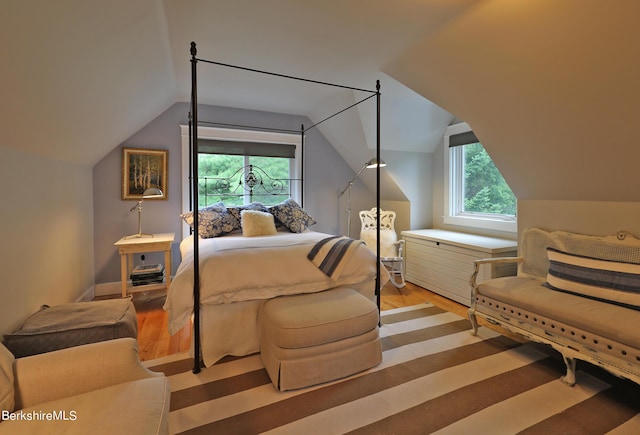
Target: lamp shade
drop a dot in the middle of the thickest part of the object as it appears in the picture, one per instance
(152, 192)
(373, 163)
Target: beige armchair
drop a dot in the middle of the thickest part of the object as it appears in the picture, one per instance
(95, 388)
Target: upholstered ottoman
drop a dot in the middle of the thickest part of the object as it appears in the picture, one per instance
(67, 325)
(313, 338)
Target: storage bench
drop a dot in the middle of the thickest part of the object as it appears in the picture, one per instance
(73, 324)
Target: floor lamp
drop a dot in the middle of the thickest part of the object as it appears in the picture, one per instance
(371, 164)
(152, 192)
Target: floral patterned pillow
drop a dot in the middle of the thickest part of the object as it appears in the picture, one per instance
(213, 221)
(292, 216)
(237, 211)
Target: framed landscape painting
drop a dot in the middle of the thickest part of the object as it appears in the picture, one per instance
(143, 169)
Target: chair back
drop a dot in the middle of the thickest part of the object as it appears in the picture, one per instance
(388, 236)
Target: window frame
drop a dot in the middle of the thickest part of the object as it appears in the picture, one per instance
(228, 134)
(454, 191)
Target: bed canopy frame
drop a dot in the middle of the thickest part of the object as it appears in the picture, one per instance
(194, 122)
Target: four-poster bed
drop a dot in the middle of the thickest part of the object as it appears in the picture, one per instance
(225, 309)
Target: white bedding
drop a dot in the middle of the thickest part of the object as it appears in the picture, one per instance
(234, 268)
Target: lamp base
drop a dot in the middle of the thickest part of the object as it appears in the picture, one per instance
(138, 236)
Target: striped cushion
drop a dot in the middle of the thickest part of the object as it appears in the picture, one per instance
(604, 280)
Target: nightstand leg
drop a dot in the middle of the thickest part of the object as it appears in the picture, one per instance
(123, 273)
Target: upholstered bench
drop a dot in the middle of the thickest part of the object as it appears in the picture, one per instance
(578, 293)
(314, 338)
(73, 324)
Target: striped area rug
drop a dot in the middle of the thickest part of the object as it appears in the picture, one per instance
(435, 378)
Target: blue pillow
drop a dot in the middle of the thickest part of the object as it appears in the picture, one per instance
(213, 221)
(236, 212)
(292, 216)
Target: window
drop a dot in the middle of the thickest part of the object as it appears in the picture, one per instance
(477, 194)
(223, 151)
(238, 173)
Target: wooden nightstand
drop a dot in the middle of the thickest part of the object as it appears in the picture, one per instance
(127, 246)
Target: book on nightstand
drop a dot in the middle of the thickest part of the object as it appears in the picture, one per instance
(147, 274)
(148, 268)
(148, 281)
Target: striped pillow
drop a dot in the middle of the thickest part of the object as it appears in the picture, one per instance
(603, 280)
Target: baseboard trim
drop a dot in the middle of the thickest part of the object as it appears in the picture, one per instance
(88, 295)
(108, 289)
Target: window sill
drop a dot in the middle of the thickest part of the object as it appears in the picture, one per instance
(483, 223)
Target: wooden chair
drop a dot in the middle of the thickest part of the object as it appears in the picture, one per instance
(391, 249)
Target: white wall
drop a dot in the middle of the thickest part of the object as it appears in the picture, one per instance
(413, 174)
(587, 217)
(47, 234)
(403, 214)
(551, 98)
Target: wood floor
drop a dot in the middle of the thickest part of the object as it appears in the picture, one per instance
(154, 340)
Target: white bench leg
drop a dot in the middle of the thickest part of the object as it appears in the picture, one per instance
(474, 322)
(570, 378)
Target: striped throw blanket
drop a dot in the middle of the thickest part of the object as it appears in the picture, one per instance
(331, 254)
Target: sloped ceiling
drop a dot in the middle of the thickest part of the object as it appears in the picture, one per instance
(550, 87)
(80, 77)
(330, 41)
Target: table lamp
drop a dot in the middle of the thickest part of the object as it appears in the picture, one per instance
(152, 192)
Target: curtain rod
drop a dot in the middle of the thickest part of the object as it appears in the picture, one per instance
(251, 127)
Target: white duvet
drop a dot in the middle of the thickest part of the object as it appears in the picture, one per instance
(236, 268)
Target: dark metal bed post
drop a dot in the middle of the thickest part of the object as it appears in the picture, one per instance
(378, 193)
(301, 166)
(190, 162)
(194, 180)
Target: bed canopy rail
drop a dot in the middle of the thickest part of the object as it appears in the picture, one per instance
(194, 122)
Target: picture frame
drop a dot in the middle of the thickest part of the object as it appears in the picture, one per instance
(143, 169)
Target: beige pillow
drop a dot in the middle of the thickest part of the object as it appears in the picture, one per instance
(257, 223)
(6, 380)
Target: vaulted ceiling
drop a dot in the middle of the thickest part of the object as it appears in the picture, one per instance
(80, 77)
(549, 86)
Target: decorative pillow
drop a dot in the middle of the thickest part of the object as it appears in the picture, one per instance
(257, 223)
(213, 221)
(292, 216)
(237, 210)
(604, 280)
(6, 380)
